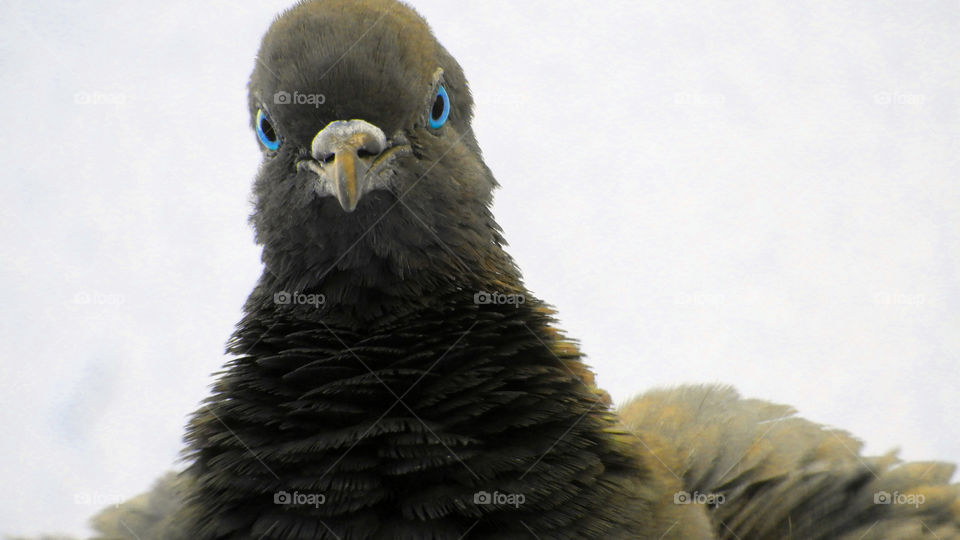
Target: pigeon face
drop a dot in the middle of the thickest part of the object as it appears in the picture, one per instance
(370, 167)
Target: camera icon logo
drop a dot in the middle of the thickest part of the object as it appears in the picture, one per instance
(281, 298)
(481, 497)
(282, 98)
(882, 497)
(681, 497)
(482, 298)
(282, 497)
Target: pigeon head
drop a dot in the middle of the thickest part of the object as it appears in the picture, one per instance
(370, 173)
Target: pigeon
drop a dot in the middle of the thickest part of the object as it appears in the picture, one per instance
(393, 378)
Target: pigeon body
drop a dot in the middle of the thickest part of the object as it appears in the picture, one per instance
(398, 396)
(393, 378)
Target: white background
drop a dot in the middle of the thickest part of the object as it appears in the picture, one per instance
(755, 193)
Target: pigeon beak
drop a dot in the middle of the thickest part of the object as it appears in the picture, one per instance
(347, 150)
(345, 179)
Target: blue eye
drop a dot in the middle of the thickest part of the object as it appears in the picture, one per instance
(266, 132)
(441, 109)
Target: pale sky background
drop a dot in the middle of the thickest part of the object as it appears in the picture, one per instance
(765, 194)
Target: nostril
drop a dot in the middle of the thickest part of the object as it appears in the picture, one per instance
(363, 152)
(327, 158)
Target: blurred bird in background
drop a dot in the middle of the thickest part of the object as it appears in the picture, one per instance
(393, 378)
